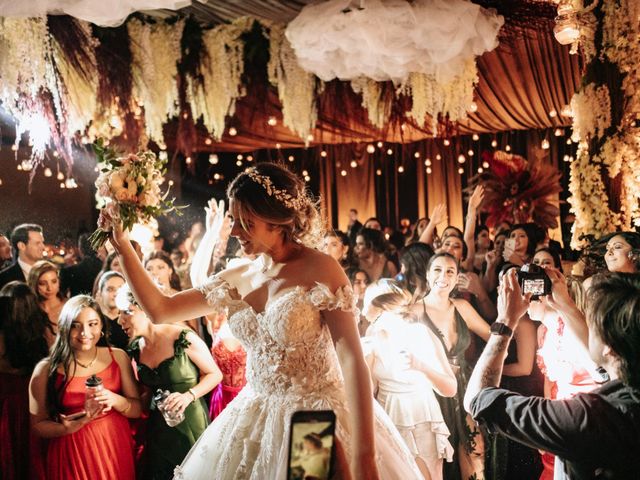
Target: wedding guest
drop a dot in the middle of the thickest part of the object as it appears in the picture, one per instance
(414, 259)
(408, 364)
(28, 241)
(78, 279)
(23, 328)
(168, 357)
(354, 226)
(336, 245)
(370, 257)
(108, 285)
(45, 282)
(75, 428)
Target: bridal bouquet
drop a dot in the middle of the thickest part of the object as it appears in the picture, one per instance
(128, 191)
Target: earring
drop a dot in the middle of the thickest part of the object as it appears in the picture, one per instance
(102, 333)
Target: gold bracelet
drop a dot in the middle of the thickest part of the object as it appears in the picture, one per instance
(128, 407)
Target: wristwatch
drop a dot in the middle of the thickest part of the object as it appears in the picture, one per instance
(499, 328)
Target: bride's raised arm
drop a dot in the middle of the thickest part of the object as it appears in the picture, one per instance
(159, 307)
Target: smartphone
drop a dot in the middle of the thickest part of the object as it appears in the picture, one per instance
(77, 415)
(510, 243)
(312, 445)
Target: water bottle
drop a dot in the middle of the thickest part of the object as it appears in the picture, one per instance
(92, 385)
(172, 418)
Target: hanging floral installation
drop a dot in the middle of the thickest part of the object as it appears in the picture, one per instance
(374, 100)
(222, 76)
(606, 112)
(25, 63)
(432, 97)
(74, 57)
(156, 51)
(518, 191)
(297, 89)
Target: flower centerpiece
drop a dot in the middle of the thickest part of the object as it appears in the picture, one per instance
(128, 190)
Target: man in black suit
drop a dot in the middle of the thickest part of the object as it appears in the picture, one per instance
(28, 241)
(79, 278)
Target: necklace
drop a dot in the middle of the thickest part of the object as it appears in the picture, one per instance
(88, 365)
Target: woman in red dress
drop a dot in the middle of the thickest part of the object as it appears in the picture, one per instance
(84, 444)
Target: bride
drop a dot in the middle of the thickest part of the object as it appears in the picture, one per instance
(293, 310)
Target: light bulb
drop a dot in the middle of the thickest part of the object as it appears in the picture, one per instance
(353, 164)
(494, 143)
(428, 170)
(272, 121)
(343, 173)
(461, 158)
(545, 144)
(446, 142)
(233, 132)
(461, 170)
(378, 172)
(371, 148)
(558, 132)
(475, 137)
(400, 169)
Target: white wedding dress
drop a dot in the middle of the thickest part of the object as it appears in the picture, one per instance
(291, 366)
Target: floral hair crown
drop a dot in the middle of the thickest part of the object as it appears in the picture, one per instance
(282, 196)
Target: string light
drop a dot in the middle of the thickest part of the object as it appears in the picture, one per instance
(309, 138)
(494, 143)
(353, 164)
(291, 158)
(249, 158)
(485, 164)
(62, 185)
(566, 111)
(569, 141)
(371, 148)
(553, 113)
(438, 157)
(378, 172)
(60, 176)
(208, 141)
(470, 153)
(216, 176)
(446, 142)
(187, 160)
(558, 132)
(48, 172)
(233, 132)
(343, 173)
(305, 173)
(473, 107)
(380, 144)
(239, 163)
(171, 183)
(272, 121)
(400, 169)
(239, 156)
(507, 148)
(545, 144)
(475, 137)
(417, 154)
(461, 170)
(389, 152)
(278, 146)
(428, 170)
(480, 169)
(163, 155)
(213, 159)
(14, 147)
(461, 158)
(427, 162)
(566, 158)
(323, 154)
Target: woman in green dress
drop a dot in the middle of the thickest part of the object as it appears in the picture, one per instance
(173, 358)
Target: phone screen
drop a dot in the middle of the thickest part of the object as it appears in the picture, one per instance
(311, 445)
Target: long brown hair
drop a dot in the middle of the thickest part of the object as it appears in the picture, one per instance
(62, 353)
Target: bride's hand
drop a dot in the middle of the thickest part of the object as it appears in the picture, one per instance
(118, 237)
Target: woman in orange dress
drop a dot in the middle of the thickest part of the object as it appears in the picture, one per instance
(84, 443)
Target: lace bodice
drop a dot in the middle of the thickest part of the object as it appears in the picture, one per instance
(289, 348)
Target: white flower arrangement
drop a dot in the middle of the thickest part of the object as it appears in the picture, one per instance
(296, 87)
(591, 108)
(156, 49)
(222, 76)
(378, 108)
(432, 97)
(619, 154)
(128, 191)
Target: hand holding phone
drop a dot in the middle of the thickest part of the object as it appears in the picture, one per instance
(74, 422)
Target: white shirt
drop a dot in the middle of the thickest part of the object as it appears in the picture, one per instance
(26, 268)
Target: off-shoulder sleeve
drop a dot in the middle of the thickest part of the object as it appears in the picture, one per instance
(221, 295)
(343, 299)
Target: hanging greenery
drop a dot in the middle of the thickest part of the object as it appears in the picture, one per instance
(374, 101)
(297, 89)
(216, 97)
(155, 50)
